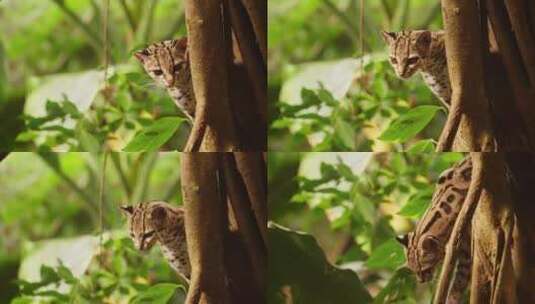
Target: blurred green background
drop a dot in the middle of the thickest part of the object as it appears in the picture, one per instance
(50, 228)
(53, 95)
(353, 95)
(346, 209)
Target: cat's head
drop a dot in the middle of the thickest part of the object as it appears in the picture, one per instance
(166, 62)
(145, 219)
(407, 50)
(423, 254)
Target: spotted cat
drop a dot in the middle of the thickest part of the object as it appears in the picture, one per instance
(167, 62)
(159, 222)
(425, 247)
(424, 51)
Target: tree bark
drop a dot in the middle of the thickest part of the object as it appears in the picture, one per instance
(468, 124)
(204, 228)
(246, 220)
(213, 129)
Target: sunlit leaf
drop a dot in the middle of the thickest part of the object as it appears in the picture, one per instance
(160, 293)
(388, 255)
(417, 204)
(409, 124)
(155, 135)
(423, 146)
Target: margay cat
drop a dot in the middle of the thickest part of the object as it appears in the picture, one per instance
(422, 50)
(425, 246)
(159, 222)
(167, 62)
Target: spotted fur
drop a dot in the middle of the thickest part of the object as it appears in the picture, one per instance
(159, 222)
(425, 247)
(167, 63)
(424, 51)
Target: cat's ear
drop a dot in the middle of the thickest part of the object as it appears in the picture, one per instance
(141, 55)
(423, 42)
(128, 210)
(182, 45)
(403, 240)
(429, 243)
(158, 213)
(388, 37)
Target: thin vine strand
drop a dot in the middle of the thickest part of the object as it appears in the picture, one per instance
(102, 184)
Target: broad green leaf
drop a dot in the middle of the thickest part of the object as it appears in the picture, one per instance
(158, 294)
(423, 146)
(409, 124)
(345, 133)
(297, 261)
(155, 135)
(389, 255)
(401, 287)
(417, 204)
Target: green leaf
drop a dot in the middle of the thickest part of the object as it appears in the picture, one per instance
(409, 124)
(389, 255)
(156, 294)
(155, 135)
(423, 146)
(417, 204)
(345, 133)
(296, 260)
(400, 287)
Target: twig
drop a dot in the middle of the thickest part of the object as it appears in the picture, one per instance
(387, 11)
(101, 203)
(77, 21)
(128, 15)
(435, 11)
(122, 176)
(447, 137)
(461, 224)
(150, 21)
(350, 26)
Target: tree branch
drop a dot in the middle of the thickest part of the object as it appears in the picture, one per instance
(245, 217)
(257, 10)
(204, 227)
(479, 162)
(252, 57)
(93, 37)
(469, 115)
(207, 49)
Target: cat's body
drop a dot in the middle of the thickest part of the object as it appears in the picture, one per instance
(159, 222)
(423, 51)
(167, 62)
(425, 247)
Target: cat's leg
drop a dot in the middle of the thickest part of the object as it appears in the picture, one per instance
(461, 277)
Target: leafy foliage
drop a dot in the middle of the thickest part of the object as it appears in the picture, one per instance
(296, 260)
(119, 273)
(368, 97)
(363, 201)
(55, 74)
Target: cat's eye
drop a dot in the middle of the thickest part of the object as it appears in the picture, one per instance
(393, 60)
(178, 66)
(149, 234)
(412, 60)
(157, 72)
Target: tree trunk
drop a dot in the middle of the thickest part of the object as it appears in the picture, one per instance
(229, 262)
(468, 125)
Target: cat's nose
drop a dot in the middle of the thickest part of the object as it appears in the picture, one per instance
(169, 80)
